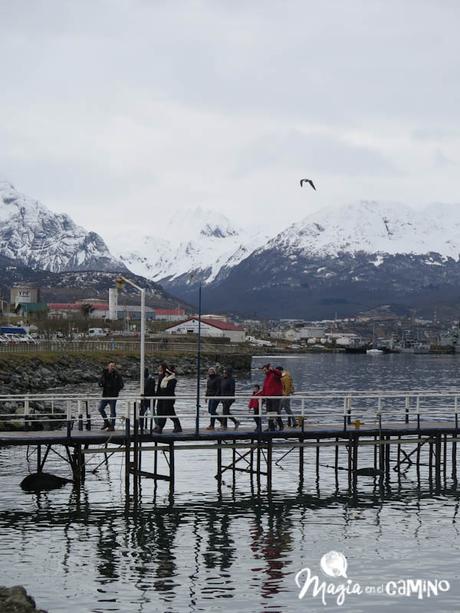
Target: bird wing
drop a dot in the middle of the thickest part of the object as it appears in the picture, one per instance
(312, 184)
(301, 182)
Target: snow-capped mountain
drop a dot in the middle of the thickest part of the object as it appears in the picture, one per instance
(374, 228)
(344, 261)
(41, 239)
(197, 245)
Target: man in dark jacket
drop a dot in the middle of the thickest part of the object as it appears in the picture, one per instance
(212, 390)
(227, 388)
(111, 383)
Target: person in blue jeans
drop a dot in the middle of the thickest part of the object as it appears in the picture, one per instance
(212, 390)
(112, 383)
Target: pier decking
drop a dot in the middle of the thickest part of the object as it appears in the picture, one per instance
(422, 426)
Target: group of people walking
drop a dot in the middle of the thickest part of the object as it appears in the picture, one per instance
(277, 382)
(220, 389)
(158, 396)
(159, 393)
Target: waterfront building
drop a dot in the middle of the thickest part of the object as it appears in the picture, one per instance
(210, 327)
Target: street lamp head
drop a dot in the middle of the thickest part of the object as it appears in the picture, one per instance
(119, 283)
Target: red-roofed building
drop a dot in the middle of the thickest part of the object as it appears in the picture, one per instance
(170, 314)
(210, 327)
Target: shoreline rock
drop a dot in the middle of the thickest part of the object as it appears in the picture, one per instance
(26, 373)
(16, 600)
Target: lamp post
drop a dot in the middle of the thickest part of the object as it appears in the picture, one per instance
(198, 367)
(120, 282)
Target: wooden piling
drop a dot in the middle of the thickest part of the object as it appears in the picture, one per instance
(269, 464)
(454, 458)
(39, 458)
(172, 475)
(301, 460)
(317, 459)
(127, 455)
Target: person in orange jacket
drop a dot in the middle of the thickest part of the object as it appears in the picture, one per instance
(288, 390)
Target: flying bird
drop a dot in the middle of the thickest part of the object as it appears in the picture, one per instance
(302, 181)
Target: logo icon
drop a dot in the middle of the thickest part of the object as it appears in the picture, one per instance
(334, 564)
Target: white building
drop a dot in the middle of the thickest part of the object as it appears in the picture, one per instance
(310, 332)
(343, 339)
(212, 328)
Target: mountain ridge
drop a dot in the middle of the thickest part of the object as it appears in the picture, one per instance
(44, 240)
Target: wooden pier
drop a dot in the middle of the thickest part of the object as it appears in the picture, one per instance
(360, 440)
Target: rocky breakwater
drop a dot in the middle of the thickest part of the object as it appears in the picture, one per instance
(16, 600)
(20, 374)
(29, 374)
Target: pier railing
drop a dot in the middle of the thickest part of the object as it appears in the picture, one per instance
(347, 409)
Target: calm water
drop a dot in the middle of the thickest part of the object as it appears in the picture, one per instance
(85, 550)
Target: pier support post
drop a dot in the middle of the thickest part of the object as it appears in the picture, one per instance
(172, 474)
(381, 456)
(444, 458)
(317, 459)
(375, 453)
(438, 460)
(454, 457)
(258, 463)
(269, 464)
(430, 461)
(355, 446)
(78, 465)
(350, 461)
(387, 457)
(135, 463)
(301, 459)
(219, 468)
(39, 458)
(127, 455)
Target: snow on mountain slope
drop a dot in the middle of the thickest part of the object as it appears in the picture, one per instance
(44, 240)
(198, 241)
(374, 228)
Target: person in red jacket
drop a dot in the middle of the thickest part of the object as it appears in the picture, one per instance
(273, 386)
(254, 405)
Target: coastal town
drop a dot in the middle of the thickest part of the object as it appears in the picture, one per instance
(27, 320)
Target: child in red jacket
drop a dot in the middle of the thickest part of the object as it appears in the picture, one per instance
(254, 405)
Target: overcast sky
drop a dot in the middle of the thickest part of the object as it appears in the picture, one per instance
(119, 111)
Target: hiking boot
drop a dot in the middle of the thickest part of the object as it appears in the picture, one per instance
(210, 428)
(176, 430)
(105, 425)
(237, 424)
(110, 429)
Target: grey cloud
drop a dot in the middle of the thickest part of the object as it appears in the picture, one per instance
(314, 153)
(128, 105)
